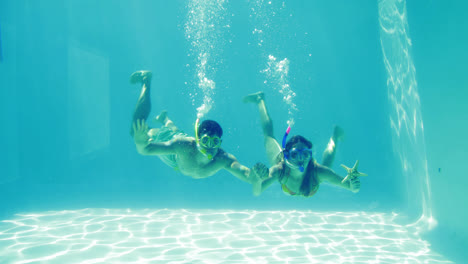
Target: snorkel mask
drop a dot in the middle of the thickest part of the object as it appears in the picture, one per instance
(295, 158)
(206, 143)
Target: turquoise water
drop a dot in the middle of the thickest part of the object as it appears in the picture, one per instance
(74, 189)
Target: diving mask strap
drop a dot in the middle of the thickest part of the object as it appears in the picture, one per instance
(202, 150)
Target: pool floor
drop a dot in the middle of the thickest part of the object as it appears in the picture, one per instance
(211, 236)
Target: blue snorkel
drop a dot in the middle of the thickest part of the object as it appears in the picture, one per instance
(286, 154)
(286, 136)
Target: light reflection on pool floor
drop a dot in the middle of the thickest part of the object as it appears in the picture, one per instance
(210, 236)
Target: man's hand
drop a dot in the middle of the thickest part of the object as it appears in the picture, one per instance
(140, 132)
(260, 172)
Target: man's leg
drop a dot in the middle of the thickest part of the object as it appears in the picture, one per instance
(143, 106)
(167, 132)
(329, 153)
(164, 119)
(271, 145)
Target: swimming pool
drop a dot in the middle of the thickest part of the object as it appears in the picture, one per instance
(74, 189)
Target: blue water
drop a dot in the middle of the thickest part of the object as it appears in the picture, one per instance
(68, 159)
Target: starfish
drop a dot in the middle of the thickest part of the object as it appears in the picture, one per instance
(352, 172)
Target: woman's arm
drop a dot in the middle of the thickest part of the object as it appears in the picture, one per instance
(326, 174)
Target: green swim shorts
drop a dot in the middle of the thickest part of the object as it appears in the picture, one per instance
(164, 134)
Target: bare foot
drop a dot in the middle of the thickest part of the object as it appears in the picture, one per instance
(338, 133)
(254, 98)
(162, 117)
(141, 77)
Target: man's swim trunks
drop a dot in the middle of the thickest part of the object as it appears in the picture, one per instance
(164, 134)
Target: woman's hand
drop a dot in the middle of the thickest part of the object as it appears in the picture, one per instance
(353, 177)
(354, 184)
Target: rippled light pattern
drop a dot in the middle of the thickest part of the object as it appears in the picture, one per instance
(405, 116)
(210, 236)
(204, 29)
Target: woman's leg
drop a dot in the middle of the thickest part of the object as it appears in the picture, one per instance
(329, 153)
(271, 145)
(164, 119)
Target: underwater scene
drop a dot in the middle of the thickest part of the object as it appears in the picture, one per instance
(217, 131)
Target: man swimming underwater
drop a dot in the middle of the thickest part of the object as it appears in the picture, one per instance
(197, 157)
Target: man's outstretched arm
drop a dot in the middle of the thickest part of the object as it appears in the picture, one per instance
(235, 168)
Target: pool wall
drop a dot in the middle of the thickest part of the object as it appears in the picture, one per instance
(438, 31)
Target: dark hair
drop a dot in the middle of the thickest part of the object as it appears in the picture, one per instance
(211, 128)
(305, 185)
(298, 139)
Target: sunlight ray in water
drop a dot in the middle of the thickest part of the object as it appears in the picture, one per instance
(405, 114)
(217, 236)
